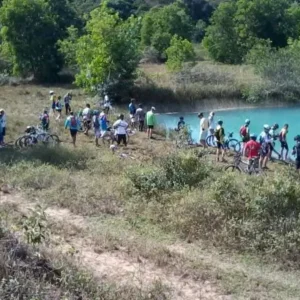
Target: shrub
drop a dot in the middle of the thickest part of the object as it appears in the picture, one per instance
(179, 52)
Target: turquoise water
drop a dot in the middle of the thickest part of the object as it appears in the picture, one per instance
(234, 119)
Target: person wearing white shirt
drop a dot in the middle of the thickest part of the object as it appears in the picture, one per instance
(211, 122)
(121, 126)
(87, 118)
(203, 129)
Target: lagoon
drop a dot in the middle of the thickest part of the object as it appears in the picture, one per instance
(234, 119)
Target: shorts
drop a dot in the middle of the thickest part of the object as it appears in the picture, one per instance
(73, 132)
(203, 135)
(122, 138)
(265, 150)
(150, 126)
(4, 131)
(131, 116)
(284, 145)
(53, 105)
(297, 163)
(97, 133)
(133, 120)
(59, 110)
(220, 145)
(87, 124)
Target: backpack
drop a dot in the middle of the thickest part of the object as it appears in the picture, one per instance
(96, 123)
(218, 133)
(243, 131)
(73, 121)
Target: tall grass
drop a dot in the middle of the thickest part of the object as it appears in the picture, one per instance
(252, 214)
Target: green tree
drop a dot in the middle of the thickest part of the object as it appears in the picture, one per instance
(237, 26)
(30, 31)
(161, 23)
(108, 54)
(180, 51)
(222, 40)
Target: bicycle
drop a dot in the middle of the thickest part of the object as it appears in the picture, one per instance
(250, 167)
(35, 135)
(229, 144)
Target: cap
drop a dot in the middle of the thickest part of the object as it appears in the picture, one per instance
(51, 92)
(153, 108)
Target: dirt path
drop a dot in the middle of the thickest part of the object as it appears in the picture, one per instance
(118, 266)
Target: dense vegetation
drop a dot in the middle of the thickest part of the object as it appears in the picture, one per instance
(104, 42)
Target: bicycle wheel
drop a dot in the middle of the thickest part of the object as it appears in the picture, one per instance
(28, 141)
(41, 137)
(233, 168)
(17, 142)
(211, 141)
(21, 141)
(234, 145)
(55, 138)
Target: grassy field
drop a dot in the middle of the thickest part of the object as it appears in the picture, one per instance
(156, 223)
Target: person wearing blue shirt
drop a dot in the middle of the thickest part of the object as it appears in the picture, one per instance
(132, 112)
(73, 123)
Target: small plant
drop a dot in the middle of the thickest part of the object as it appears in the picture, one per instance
(35, 226)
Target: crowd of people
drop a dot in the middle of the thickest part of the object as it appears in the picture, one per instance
(261, 146)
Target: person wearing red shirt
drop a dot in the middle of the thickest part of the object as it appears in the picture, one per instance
(252, 148)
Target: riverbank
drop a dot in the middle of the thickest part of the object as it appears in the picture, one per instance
(204, 87)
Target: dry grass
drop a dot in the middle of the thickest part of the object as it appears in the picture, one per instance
(89, 199)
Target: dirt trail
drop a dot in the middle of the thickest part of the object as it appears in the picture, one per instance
(118, 266)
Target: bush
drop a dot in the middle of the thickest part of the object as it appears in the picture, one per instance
(179, 52)
(271, 64)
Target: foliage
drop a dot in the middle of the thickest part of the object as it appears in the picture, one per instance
(280, 69)
(222, 40)
(237, 26)
(161, 23)
(107, 55)
(199, 9)
(35, 227)
(30, 32)
(179, 52)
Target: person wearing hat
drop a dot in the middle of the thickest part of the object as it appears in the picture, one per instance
(211, 122)
(220, 137)
(265, 141)
(151, 122)
(121, 126)
(203, 129)
(3, 123)
(180, 124)
(296, 152)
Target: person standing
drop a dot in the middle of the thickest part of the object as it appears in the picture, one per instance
(140, 114)
(203, 129)
(151, 122)
(45, 120)
(296, 152)
(211, 122)
(87, 118)
(180, 124)
(245, 132)
(58, 107)
(283, 140)
(220, 136)
(67, 101)
(1, 130)
(265, 141)
(132, 112)
(103, 124)
(53, 101)
(121, 126)
(73, 123)
(96, 125)
(252, 149)
(3, 123)
(107, 104)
